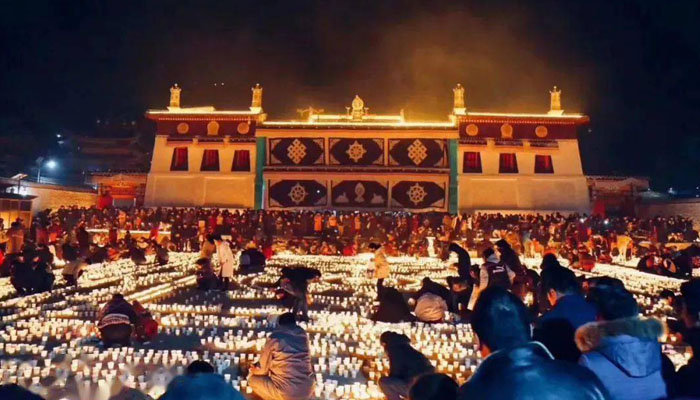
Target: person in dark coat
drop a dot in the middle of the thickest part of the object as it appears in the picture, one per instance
(98, 254)
(405, 365)
(434, 387)
(251, 260)
(162, 255)
(515, 367)
(44, 254)
(295, 281)
(622, 349)
(137, 255)
(13, 391)
(41, 277)
(549, 261)
(464, 262)
(83, 238)
(20, 274)
(206, 277)
(392, 307)
(688, 377)
(200, 387)
(555, 329)
(509, 257)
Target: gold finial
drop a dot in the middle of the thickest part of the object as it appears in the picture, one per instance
(256, 103)
(175, 96)
(458, 106)
(555, 101)
(358, 107)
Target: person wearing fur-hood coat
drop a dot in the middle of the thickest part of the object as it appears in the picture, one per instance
(621, 348)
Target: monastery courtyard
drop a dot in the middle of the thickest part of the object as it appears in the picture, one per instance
(49, 342)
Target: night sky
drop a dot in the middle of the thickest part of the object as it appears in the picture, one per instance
(633, 67)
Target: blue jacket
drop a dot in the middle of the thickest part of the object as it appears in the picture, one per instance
(626, 356)
(556, 328)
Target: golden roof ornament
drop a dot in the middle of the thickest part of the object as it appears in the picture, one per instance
(175, 96)
(555, 102)
(459, 108)
(256, 102)
(358, 107)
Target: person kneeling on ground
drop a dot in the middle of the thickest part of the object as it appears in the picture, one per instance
(206, 278)
(284, 371)
(115, 321)
(405, 365)
(430, 308)
(514, 366)
(392, 307)
(252, 260)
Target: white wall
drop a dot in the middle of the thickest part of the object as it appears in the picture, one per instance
(224, 188)
(564, 190)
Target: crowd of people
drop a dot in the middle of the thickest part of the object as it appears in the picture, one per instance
(549, 334)
(581, 239)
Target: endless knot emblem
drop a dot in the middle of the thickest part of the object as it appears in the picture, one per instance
(356, 151)
(416, 194)
(417, 152)
(296, 152)
(297, 194)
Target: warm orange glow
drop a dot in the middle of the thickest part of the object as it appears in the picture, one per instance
(361, 123)
(199, 110)
(525, 115)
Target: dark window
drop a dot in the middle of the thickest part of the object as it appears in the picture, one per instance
(543, 164)
(241, 160)
(179, 162)
(25, 206)
(210, 160)
(508, 164)
(472, 162)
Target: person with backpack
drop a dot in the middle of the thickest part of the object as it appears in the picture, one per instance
(492, 272)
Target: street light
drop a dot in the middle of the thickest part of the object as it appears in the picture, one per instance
(51, 164)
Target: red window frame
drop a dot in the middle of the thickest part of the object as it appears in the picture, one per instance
(210, 160)
(543, 164)
(507, 163)
(471, 164)
(241, 161)
(179, 161)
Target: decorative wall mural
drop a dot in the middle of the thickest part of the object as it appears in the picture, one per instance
(419, 195)
(363, 194)
(297, 193)
(297, 151)
(424, 153)
(356, 152)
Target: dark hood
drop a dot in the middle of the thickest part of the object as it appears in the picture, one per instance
(631, 344)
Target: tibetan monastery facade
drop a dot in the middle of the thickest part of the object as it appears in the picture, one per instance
(359, 161)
